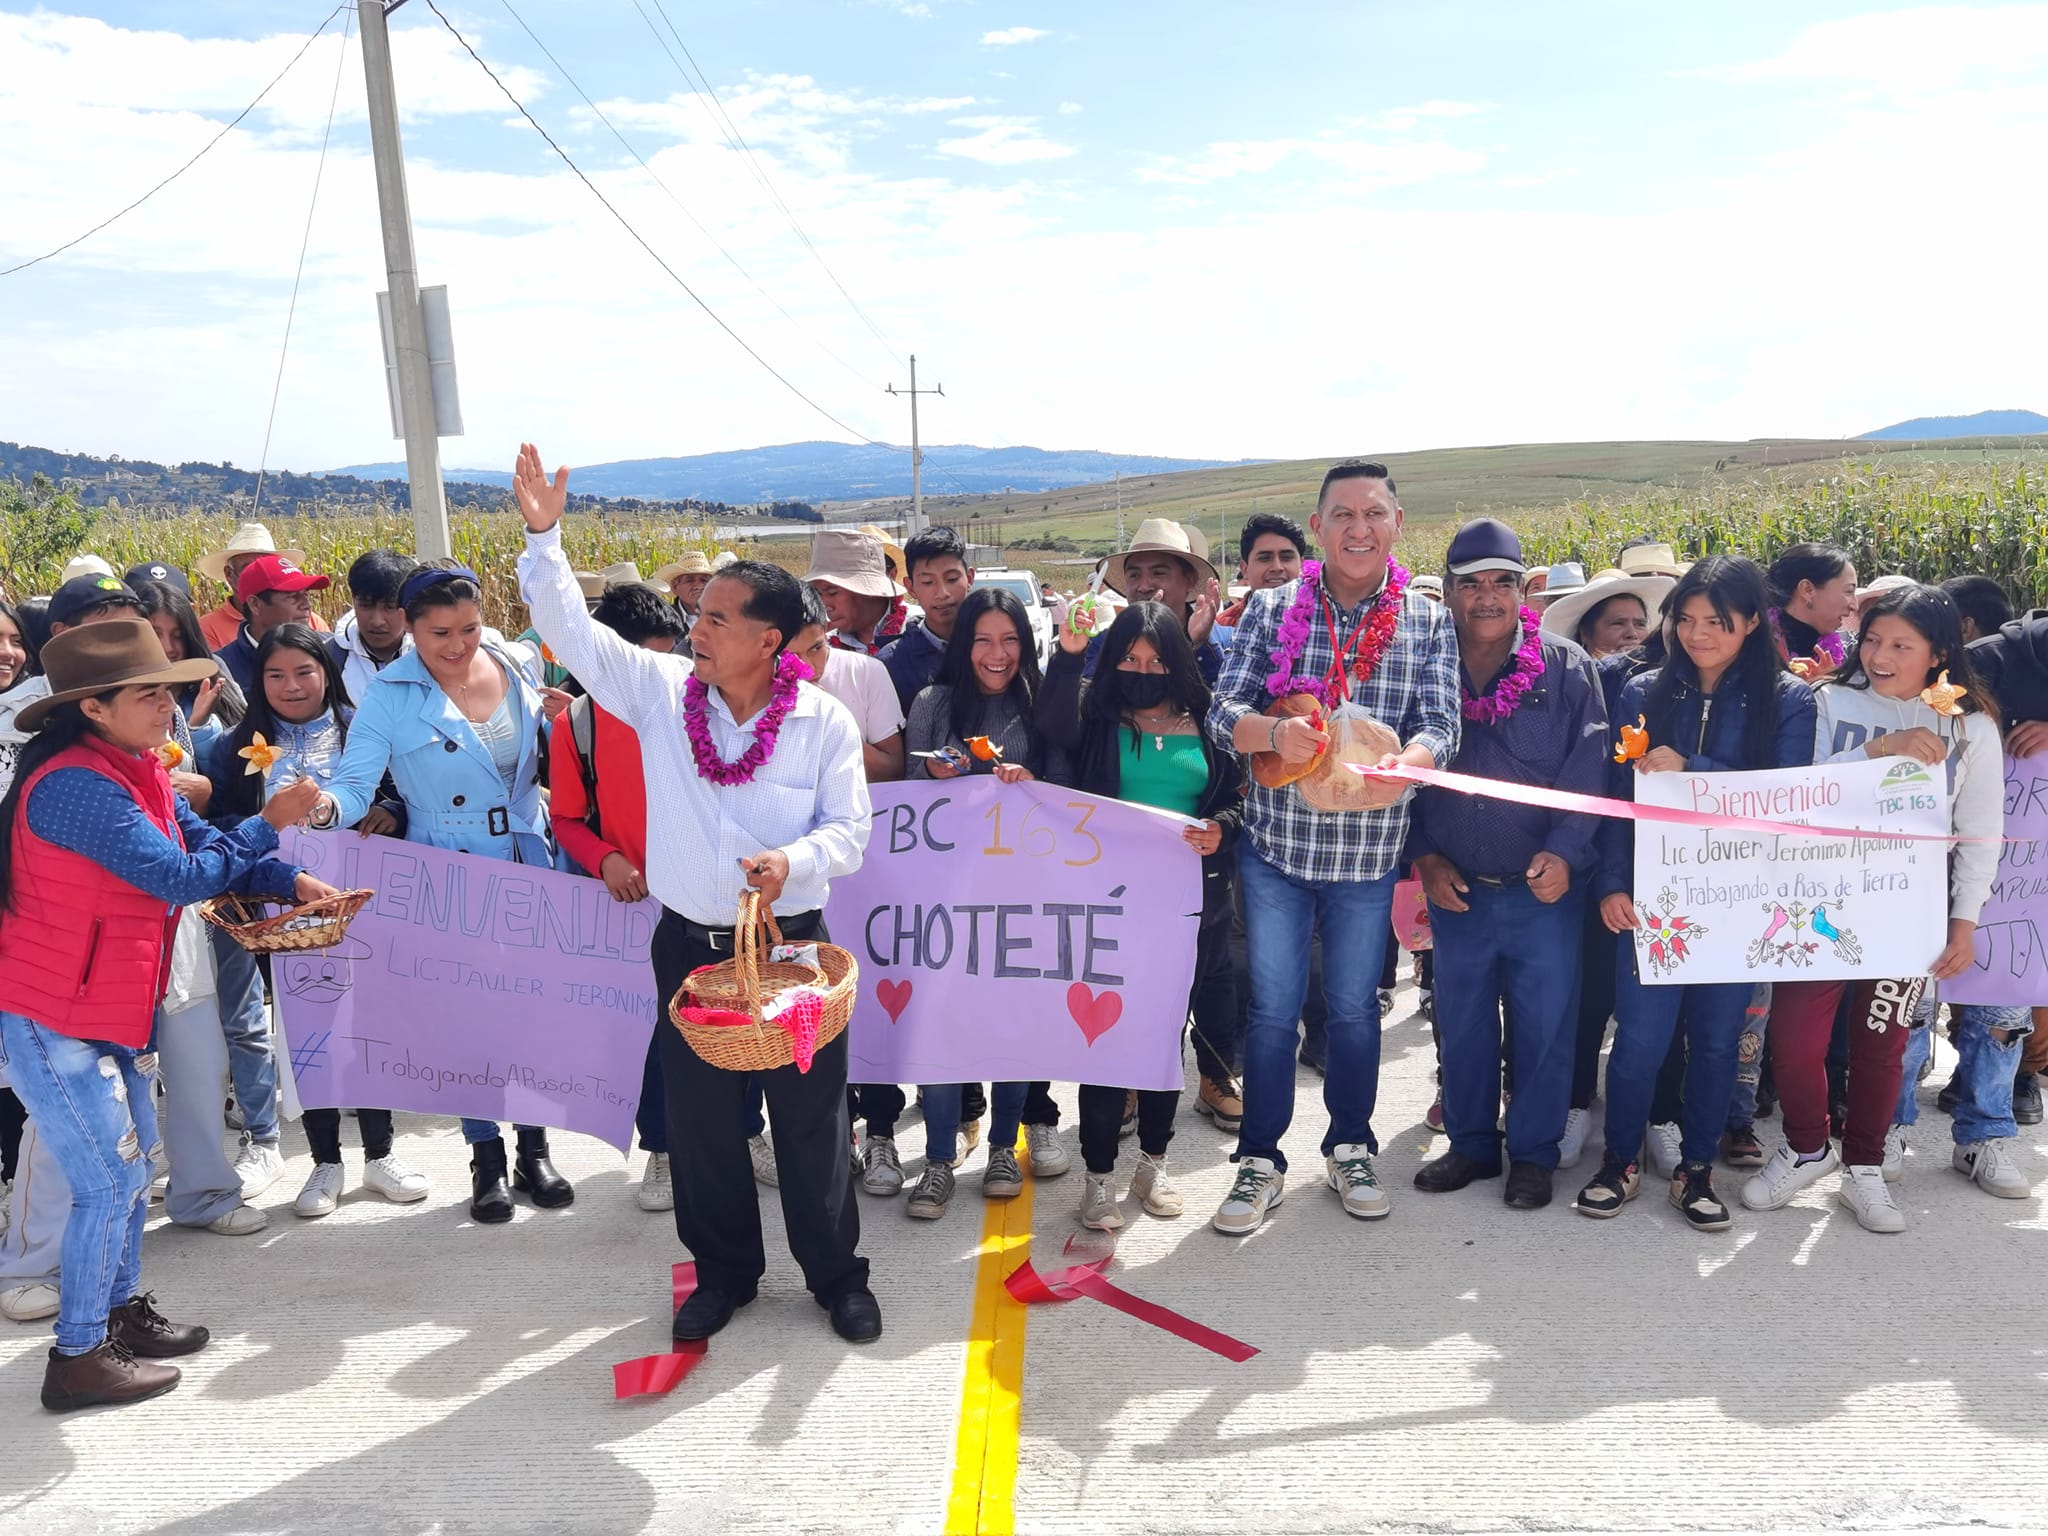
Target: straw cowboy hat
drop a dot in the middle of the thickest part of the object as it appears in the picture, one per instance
(848, 558)
(84, 565)
(724, 558)
(1653, 560)
(691, 563)
(118, 653)
(625, 574)
(249, 539)
(1563, 617)
(1158, 535)
(899, 566)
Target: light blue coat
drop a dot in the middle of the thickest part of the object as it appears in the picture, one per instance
(453, 795)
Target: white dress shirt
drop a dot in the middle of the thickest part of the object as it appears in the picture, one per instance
(809, 800)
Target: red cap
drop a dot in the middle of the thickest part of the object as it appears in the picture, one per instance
(274, 573)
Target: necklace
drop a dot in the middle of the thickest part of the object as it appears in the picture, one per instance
(1512, 686)
(1369, 645)
(1160, 728)
(789, 671)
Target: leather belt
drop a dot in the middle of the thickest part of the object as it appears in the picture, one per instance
(720, 939)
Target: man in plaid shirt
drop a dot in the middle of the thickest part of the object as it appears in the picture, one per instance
(1305, 871)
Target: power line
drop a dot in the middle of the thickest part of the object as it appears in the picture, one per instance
(640, 240)
(305, 241)
(181, 170)
(680, 205)
(738, 140)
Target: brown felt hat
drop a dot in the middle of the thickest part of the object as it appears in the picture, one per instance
(115, 653)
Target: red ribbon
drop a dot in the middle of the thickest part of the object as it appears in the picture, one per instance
(1030, 1287)
(655, 1374)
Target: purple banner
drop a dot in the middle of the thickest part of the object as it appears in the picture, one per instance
(1019, 932)
(470, 986)
(2012, 931)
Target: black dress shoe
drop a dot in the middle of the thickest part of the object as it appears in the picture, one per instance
(1454, 1170)
(139, 1328)
(1528, 1186)
(857, 1316)
(534, 1176)
(705, 1311)
(490, 1201)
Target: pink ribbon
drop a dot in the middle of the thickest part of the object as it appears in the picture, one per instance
(1027, 1285)
(652, 1375)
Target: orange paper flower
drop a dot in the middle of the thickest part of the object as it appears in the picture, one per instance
(1635, 741)
(1943, 696)
(984, 749)
(1812, 668)
(546, 655)
(260, 755)
(170, 754)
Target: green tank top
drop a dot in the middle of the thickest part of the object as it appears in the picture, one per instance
(1170, 777)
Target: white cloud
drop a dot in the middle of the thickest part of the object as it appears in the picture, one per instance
(1009, 37)
(1364, 164)
(1909, 52)
(1069, 108)
(1003, 141)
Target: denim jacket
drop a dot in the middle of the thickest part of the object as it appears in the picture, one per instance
(1708, 730)
(454, 797)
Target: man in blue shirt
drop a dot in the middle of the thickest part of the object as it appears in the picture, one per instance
(272, 591)
(1506, 882)
(939, 581)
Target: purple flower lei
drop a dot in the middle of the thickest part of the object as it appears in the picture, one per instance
(1831, 645)
(1510, 690)
(790, 670)
(1296, 622)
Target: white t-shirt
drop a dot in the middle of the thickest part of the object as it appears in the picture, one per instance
(864, 686)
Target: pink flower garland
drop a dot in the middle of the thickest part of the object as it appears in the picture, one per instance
(1296, 622)
(789, 671)
(1832, 646)
(1511, 689)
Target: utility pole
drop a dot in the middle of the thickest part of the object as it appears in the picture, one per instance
(1119, 509)
(916, 524)
(409, 331)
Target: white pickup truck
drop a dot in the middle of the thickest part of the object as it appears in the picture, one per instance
(1023, 585)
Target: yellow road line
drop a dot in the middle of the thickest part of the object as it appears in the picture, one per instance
(983, 1500)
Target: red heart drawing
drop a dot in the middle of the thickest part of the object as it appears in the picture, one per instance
(1097, 1016)
(894, 996)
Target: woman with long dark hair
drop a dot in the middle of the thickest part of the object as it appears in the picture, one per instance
(1135, 732)
(1813, 592)
(986, 693)
(97, 854)
(217, 703)
(1721, 702)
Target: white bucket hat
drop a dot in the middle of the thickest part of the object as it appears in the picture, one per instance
(856, 561)
(249, 539)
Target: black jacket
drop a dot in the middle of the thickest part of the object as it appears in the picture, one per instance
(2014, 666)
(1098, 759)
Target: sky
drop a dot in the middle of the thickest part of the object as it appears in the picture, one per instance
(1210, 228)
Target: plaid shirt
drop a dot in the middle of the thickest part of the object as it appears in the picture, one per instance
(1414, 690)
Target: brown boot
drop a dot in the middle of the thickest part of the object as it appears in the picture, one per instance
(1222, 1101)
(147, 1333)
(107, 1374)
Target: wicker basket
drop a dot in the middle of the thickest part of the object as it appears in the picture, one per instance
(718, 1007)
(316, 925)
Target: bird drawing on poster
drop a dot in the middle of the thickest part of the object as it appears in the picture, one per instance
(1759, 950)
(1845, 942)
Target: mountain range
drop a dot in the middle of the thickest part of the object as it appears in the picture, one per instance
(821, 471)
(1983, 424)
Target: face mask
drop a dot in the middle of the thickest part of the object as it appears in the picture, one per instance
(1142, 690)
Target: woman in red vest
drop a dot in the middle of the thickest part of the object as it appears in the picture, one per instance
(97, 855)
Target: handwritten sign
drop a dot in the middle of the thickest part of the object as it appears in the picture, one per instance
(1724, 905)
(470, 986)
(1013, 932)
(2012, 931)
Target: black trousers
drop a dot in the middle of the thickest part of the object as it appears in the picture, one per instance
(718, 1212)
(880, 1104)
(323, 1133)
(13, 1120)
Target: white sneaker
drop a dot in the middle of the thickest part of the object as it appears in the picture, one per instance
(1571, 1146)
(1048, 1158)
(1258, 1187)
(1151, 1188)
(1667, 1148)
(258, 1165)
(881, 1170)
(1867, 1195)
(1772, 1186)
(396, 1181)
(656, 1192)
(322, 1192)
(1894, 1163)
(1991, 1168)
(1099, 1210)
(1348, 1170)
(29, 1303)
(242, 1221)
(764, 1161)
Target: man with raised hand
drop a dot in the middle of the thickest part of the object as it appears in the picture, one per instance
(761, 785)
(1346, 630)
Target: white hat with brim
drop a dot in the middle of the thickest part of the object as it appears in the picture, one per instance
(624, 574)
(1887, 583)
(249, 539)
(1653, 560)
(851, 560)
(1563, 617)
(691, 563)
(891, 548)
(1157, 536)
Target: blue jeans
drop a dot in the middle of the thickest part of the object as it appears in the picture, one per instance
(1645, 1019)
(1508, 952)
(1354, 918)
(1749, 1057)
(252, 1059)
(1984, 1071)
(91, 1103)
(942, 1117)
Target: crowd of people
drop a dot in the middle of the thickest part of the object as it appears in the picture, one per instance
(151, 755)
